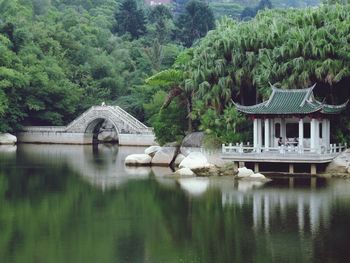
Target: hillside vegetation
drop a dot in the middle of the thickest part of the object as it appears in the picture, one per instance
(292, 48)
(57, 58)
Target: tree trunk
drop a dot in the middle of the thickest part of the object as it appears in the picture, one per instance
(174, 92)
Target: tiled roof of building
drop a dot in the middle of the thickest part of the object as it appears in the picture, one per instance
(289, 102)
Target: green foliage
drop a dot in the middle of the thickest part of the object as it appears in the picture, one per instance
(130, 19)
(332, 2)
(230, 9)
(161, 24)
(227, 127)
(250, 12)
(237, 61)
(57, 58)
(195, 22)
(169, 124)
(291, 48)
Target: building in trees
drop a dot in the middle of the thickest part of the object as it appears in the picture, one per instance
(157, 2)
(292, 118)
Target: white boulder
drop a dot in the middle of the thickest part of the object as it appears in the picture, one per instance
(152, 150)
(195, 160)
(185, 172)
(138, 159)
(244, 172)
(7, 138)
(164, 156)
(340, 164)
(107, 136)
(179, 159)
(258, 176)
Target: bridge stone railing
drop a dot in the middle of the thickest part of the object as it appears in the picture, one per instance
(123, 122)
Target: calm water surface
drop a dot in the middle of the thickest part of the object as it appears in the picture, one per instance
(80, 204)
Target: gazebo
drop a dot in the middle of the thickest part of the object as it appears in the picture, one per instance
(291, 118)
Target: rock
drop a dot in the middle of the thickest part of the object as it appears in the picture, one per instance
(179, 159)
(151, 151)
(193, 139)
(7, 138)
(339, 164)
(107, 125)
(138, 159)
(244, 172)
(258, 176)
(211, 170)
(228, 169)
(164, 156)
(194, 186)
(194, 160)
(185, 172)
(107, 132)
(171, 144)
(107, 136)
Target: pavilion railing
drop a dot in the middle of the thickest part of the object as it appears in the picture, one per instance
(239, 148)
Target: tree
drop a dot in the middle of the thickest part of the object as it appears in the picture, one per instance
(289, 48)
(250, 12)
(161, 24)
(195, 22)
(130, 20)
(173, 81)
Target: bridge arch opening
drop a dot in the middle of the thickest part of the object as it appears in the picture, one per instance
(102, 131)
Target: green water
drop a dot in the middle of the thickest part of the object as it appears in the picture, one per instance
(79, 204)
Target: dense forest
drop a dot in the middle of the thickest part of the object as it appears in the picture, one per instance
(58, 58)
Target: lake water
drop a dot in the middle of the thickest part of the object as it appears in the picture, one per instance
(80, 204)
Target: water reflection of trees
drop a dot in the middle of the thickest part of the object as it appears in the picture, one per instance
(53, 215)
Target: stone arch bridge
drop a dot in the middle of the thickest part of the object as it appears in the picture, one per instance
(81, 130)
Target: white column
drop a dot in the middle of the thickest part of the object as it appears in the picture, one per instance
(259, 132)
(328, 134)
(267, 134)
(315, 133)
(272, 132)
(312, 133)
(283, 130)
(324, 132)
(255, 133)
(301, 132)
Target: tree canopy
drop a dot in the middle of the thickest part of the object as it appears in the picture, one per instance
(292, 48)
(130, 19)
(195, 22)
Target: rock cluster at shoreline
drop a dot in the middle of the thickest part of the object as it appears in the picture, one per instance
(340, 166)
(7, 138)
(188, 163)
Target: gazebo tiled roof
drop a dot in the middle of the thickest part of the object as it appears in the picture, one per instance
(291, 102)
